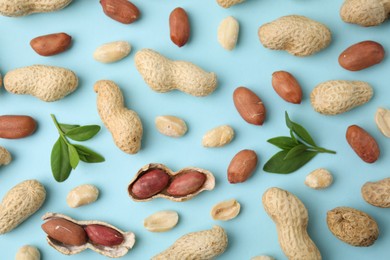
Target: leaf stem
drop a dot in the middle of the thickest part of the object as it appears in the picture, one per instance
(62, 134)
(323, 150)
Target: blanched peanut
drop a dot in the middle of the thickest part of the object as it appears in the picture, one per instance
(82, 195)
(319, 179)
(28, 253)
(171, 126)
(226, 210)
(161, 221)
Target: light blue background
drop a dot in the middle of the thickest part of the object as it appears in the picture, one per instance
(251, 65)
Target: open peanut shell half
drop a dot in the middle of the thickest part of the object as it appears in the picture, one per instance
(158, 181)
(109, 251)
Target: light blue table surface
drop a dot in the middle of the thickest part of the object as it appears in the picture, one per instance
(250, 64)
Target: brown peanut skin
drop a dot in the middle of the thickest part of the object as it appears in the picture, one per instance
(102, 235)
(121, 11)
(287, 87)
(66, 232)
(179, 26)
(16, 126)
(363, 144)
(51, 44)
(242, 166)
(151, 183)
(361, 55)
(249, 106)
(186, 183)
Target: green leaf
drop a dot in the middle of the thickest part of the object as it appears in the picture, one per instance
(60, 165)
(83, 133)
(73, 156)
(293, 137)
(65, 127)
(277, 164)
(283, 142)
(303, 134)
(295, 151)
(288, 121)
(87, 155)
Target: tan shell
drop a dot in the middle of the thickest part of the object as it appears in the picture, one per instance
(206, 244)
(338, 96)
(365, 12)
(123, 123)
(298, 35)
(209, 184)
(291, 219)
(5, 156)
(48, 83)
(163, 74)
(352, 226)
(377, 193)
(228, 3)
(19, 203)
(17, 8)
(118, 251)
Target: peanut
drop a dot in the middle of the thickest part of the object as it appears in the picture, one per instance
(19, 203)
(150, 183)
(82, 195)
(228, 33)
(298, 35)
(377, 193)
(249, 106)
(161, 221)
(228, 3)
(65, 231)
(226, 210)
(47, 83)
(98, 236)
(163, 74)
(365, 12)
(112, 51)
(338, 96)
(352, 226)
(51, 44)
(124, 124)
(103, 236)
(179, 26)
(361, 55)
(218, 136)
(262, 257)
(28, 253)
(319, 179)
(206, 244)
(122, 11)
(186, 183)
(242, 166)
(287, 87)
(382, 120)
(17, 8)
(15, 127)
(363, 144)
(5, 156)
(291, 219)
(171, 126)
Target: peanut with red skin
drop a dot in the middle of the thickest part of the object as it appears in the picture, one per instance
(363, 144)
(122, 11)
(179, 26)
(16, 126)
(102, 235)
(51, 44)
(151, 183)
(65, 231)
(187, 183)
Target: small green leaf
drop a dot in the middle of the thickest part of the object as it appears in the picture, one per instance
(288, 121)
(83, 133)
(295, 151)
(303, 134)
(60, 165)
(293, 137)
(87, 155)
(73, 156)
(283, 142)
(277, 164)
(65, 127)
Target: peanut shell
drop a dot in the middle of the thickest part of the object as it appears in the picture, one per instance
(5, 156)
(206, 244)
(229, 3)
(377, 193)
(208, 184)
(19, 203)
(16, 8)
(28, 252)
(114, 252)
(365, 12)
